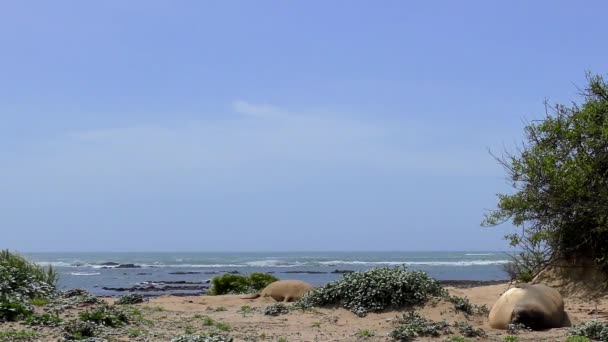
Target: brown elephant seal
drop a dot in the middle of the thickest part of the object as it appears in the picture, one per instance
(536, 306)
(284, 290)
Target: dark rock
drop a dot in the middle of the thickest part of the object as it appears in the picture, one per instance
(233, 272)
(144, 273)
(212, 272)
(109, 263)
(181, 272)
(128, 266)
(342, 271)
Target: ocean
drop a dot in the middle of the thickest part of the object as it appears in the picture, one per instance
(188, 273)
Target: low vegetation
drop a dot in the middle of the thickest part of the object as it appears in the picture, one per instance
(105, 315)
(132, 298)
(17, 335)
(239, 284)
(375, 290)
(203, 338)
(412, 326)
(594, 330)
(463, 304)
(276, 309)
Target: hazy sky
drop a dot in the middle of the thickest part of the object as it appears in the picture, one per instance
(273, 125)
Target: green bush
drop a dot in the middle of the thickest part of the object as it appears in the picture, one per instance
(594, 330)
(78, 330)
(22, 280)
(375, 290)
(464, 305)
(412, 325)
(133, 298)
(239, 284)
(203, 338)
(457, 339)
(17, 335)
(578, 339)
(105, 315)
(510, 338)
(276, 309)
(467, 330)
(13, 311)
(46, 319)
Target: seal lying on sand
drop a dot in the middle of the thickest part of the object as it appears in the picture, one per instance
(536, 306)
(284, 290)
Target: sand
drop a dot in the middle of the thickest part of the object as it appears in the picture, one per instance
(169, 316)
(340, 324)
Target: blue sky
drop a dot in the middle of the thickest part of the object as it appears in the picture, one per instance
(273, 125)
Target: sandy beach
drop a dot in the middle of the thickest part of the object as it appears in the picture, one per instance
(168, 316)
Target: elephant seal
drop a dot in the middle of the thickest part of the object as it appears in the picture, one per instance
(284, 290)
(536, 306)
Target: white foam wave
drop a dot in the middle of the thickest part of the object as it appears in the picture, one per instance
(416, 263)
(273, 263)
(84, 273)
(479, 254)
(53, 263)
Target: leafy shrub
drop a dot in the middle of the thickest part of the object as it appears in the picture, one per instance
(203, 338)
(413, 325)
(78, 330)
(467, 330)
(40, 301)
(17, 335)
(276, 309)
(133, 298)
(457, 339)
(594, 330)
(239, 284)
(375, 290)
(223, 326)
(12, 311)
(74, 293)
(46, 319)
(578, 339)
(245, 309)
(21, 280)
(105, 315)
(365, 333)
(510, 338)
(464, 305)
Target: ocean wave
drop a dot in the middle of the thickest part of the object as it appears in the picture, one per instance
(273, 263)
(416, 263)
(479, 254)
(84, 273)
(53, 263)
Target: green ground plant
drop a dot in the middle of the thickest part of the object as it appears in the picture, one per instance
(203, 338)
(365, 333)
(105, 315)
(18, 335)
(132, 298)
(412, 326)
(22, 280)
(239, 284)
(46, 319)
(594, 330)
(375, 290)
(276, 309)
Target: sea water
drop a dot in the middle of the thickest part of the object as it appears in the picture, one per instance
(86, 270)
